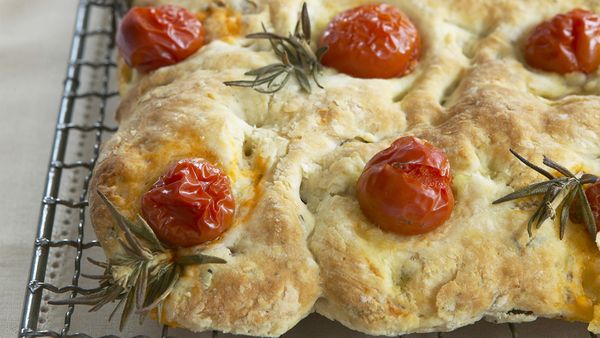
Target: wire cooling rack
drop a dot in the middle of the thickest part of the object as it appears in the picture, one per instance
(64, 238)
(66, 127)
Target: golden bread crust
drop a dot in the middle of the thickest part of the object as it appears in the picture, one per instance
(471, 95)
(270, 280)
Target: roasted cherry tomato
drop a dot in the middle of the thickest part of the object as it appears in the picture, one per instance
(566, 43)
(593, 196)
(372, 41)
(405, 188)
(153, 37)
(191, 204)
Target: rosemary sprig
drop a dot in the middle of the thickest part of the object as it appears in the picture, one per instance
(569, 187)
(297, 59)
(140, 278)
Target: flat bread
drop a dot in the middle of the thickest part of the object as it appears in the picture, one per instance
(299, 241)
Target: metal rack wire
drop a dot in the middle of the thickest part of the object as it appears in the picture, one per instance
(50, 200)
(67, 125)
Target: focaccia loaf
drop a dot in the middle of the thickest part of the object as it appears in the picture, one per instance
(299, 241)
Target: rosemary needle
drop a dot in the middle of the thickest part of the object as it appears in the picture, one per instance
(297, 59)
(142, 276)
(568, 186)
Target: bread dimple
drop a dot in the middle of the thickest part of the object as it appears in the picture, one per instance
(481, 262)
(270, 272)
(300, 240)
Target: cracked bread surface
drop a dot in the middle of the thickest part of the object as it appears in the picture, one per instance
(300, 242)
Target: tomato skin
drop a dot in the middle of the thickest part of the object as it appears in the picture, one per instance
(189, 205)
(154, 37)
(406, 189)
(566, 43)
(372, 41)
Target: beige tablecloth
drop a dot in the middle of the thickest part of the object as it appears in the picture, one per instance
(35, 36)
